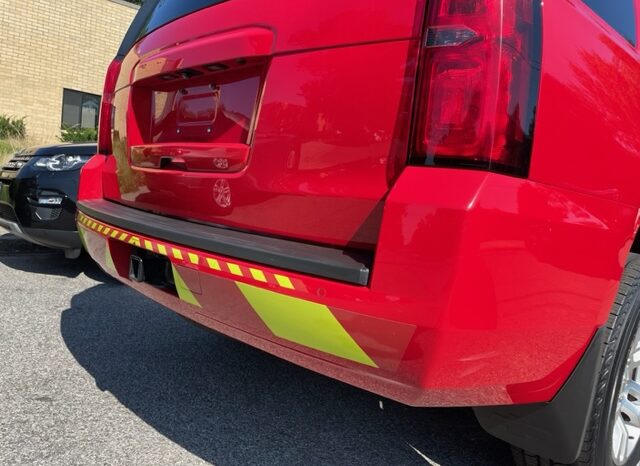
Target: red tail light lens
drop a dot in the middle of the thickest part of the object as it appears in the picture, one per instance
(480, 74)
(106, 108)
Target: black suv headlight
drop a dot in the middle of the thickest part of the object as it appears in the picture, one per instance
(62, 162)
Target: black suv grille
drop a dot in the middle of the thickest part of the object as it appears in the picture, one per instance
(16, 163)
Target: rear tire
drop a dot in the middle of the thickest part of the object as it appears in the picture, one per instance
(615, 409)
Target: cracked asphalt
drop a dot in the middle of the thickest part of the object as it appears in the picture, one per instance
(93, 373)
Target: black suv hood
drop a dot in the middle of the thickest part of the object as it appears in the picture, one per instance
(67, 148)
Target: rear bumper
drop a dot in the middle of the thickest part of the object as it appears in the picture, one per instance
(485, 290)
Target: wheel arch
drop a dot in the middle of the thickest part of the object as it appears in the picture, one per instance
(635, 246)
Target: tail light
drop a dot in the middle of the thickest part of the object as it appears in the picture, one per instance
(106, 108)
(479, 80)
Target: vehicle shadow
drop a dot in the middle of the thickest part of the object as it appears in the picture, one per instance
(231, 404)
(52, 262)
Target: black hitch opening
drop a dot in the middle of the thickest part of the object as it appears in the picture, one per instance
(152, 269)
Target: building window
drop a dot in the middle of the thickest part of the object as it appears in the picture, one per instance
(79, 109)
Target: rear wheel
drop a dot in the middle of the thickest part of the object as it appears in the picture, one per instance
(613, 434)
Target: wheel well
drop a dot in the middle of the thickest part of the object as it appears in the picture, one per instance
(635, 247)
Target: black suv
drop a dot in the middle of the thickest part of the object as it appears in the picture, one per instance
(38, 191)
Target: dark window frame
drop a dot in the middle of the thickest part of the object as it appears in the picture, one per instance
(84, 96)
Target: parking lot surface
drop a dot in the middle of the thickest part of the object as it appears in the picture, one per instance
(93, 373)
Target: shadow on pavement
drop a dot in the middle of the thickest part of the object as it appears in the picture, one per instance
(11, 244)
(52, 262)
(231, 404)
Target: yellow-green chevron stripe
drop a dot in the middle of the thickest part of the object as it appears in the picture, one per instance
(184, 293)
(304, 322)
(83, 240)
(108, 258)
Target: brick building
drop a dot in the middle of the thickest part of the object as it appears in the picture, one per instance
(53, 57)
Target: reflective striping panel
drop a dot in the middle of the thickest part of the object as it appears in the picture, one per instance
(235, 269)
(258, 275)
(284, 282)
(304, 322)
(190, 258)
(184, 293)
(108, 258)
(213, 264)
(290, 318)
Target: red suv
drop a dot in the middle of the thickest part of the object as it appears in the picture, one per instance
(436, 201)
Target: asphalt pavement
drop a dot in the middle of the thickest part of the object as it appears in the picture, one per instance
(91, 372)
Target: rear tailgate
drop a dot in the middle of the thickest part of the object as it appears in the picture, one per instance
(269, 117)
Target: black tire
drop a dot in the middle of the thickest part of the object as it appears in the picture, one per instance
(622, 326)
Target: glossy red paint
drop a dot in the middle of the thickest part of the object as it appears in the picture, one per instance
(90, 184)
(327, 141)
(497, 281)
(319, 25)
(214, 51)
(492, 286)
(590, 143)
(323, 160)
(106, 107)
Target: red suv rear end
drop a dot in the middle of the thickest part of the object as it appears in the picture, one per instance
(434, 201)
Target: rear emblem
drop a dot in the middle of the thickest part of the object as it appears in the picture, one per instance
(222, 193)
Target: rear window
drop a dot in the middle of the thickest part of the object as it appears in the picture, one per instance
(156, 13)
(620, 14)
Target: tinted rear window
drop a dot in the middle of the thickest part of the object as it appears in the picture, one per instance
(620, 14)
(156, 13)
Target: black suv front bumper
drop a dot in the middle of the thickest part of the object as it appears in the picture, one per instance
(40, 206)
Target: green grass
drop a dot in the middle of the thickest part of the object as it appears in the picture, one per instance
(10, 146)
(6, 151)
(5, 147)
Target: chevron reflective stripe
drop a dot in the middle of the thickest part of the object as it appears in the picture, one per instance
(189, 258)
(184, 293)
(235, 269)
(304, 322)
(82, 239)
(284, 282)
(290, 318)
(108, 258)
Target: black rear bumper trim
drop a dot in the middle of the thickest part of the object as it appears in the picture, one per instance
(322, 261)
